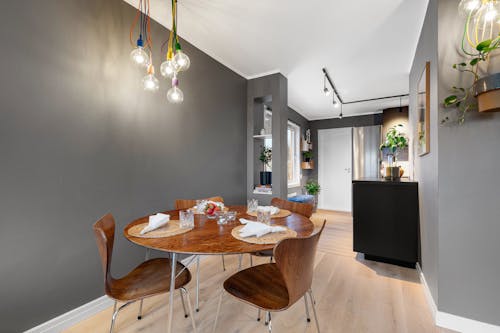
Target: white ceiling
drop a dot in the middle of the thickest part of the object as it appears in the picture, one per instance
(366, 45)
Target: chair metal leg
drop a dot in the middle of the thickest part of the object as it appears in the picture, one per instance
(308, 317)
(139, 316)
(271, 260)
(314, 310)
(186, 293)
(115, 314)
(218, 310)
(146, 257)
(223, 263)
(183, 304)
(312, 296)
(197, 304)
(258, 315)
(268, 315)
(251, 261)
(269, 326)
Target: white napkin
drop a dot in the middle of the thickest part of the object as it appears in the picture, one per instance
(156, 221)
(245, 221)
(272, 209)
(258, 229)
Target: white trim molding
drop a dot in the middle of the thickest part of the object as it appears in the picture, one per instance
(451, 321)
(73, 317)
(81, 313)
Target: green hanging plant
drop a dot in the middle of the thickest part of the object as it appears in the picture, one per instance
(394, 140)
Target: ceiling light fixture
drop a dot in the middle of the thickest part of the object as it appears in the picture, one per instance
(325, 88)
(176, 60)
(141, 54)
(483, 21)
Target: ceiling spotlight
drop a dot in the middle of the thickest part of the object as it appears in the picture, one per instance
(335, 103)
(340, 115)
(325, 89)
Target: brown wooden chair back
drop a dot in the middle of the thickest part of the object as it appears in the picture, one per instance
(295, 260)
(104, 231)
(303, 209)
(188, 203)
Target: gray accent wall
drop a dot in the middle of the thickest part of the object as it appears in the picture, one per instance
(469, 192)
(458, 182)
(426, 167)
(79, 138)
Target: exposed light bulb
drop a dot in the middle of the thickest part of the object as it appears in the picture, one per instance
(174, 94)
(151, 83)
(468, 6)
(491, 13)
(181, 61)
(340, 115)
(326, 91)
(167, 69)
(139, 56)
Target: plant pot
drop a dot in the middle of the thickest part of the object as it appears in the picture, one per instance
(487, 91)
(265, 178)
(392, 173)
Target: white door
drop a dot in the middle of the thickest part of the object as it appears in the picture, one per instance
(335, 164)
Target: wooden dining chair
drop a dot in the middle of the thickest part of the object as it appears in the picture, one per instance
(303, 209)
(152, 277)
(186, 204)
(276, 286)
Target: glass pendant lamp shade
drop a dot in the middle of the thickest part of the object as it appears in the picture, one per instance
(140, 57)
(181, 61)
(151, 83)
(483, 20)
(175, 95)
(167, 69)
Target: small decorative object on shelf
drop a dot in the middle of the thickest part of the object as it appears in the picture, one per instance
(395, 141)
(307, 163)
(266, 156)
(480, 43)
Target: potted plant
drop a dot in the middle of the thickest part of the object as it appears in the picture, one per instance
(395, 141)
(312, 188)
(307, 155)
(266, 155)
(483, 94)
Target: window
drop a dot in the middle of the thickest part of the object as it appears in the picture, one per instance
(293, 158)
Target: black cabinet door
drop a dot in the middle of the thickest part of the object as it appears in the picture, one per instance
(385, 220)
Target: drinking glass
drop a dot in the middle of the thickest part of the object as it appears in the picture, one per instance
(221, 217)
(199, 208)
(186, 219)
(231, 216)
(264, 215)
(252, 205)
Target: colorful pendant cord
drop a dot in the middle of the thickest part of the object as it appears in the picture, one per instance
(142, 17)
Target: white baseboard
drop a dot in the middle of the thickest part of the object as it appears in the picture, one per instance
(73, 317)
(451, 321)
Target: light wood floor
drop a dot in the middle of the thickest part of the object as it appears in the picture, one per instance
(353, 295)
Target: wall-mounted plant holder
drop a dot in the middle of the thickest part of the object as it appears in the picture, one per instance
(487, 91)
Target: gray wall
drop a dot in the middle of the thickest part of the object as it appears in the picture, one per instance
(358, 121)
(469, 188)
(79, 138)
(426, 167)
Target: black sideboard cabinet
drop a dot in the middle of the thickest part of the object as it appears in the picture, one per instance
(386, 220)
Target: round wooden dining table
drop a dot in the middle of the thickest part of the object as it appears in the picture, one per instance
(209, 238)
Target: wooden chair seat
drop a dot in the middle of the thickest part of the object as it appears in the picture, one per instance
(262, 286)
(150, 278)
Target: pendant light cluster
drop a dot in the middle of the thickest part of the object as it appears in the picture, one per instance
(176, 60)
(141, 55)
